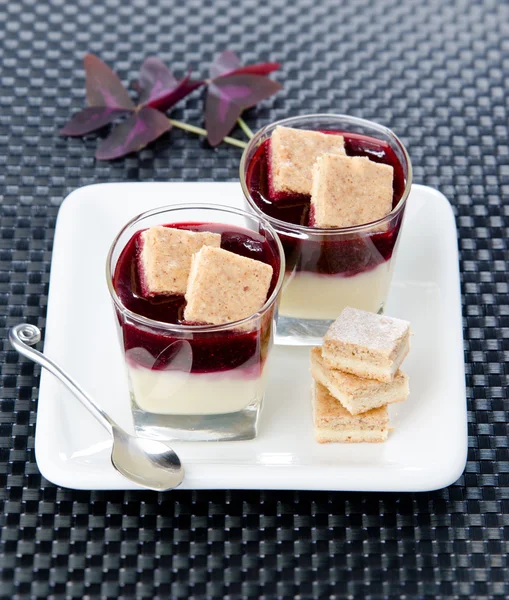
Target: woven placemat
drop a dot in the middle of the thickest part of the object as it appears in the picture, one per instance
(436, 73)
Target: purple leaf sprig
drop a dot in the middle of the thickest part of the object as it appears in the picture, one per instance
(108, 100)
(231, 88)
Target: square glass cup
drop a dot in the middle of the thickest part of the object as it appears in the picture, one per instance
(328, 269)
(195, 382)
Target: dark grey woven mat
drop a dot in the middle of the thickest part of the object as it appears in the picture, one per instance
(436, 72)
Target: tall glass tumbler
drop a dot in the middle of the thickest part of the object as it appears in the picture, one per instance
(328, 269)
(195, 382)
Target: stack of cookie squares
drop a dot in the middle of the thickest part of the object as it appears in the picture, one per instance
(356, 376)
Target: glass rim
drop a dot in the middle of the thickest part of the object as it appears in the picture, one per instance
(326, 231)
(194, 328)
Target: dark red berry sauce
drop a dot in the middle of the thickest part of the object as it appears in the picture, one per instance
(344, 255)
(200, 352)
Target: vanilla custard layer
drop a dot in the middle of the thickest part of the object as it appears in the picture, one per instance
(179, 393)
(313, 296)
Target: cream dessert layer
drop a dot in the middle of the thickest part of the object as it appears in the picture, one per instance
(315, 296)
(179, 393)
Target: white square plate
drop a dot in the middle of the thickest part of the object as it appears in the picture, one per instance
(426, 450)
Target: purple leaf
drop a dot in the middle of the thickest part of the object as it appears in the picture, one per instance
(104, 88)
(169, 98)
(90, 119)
(155, 79)
(133, 134)
(258, 69)
(228, 96)
(228, 63)
(158, 87)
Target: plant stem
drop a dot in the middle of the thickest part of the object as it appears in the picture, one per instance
(203, 132)
(245, 128)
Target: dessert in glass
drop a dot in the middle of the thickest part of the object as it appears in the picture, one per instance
(334, 187)
(195, 291)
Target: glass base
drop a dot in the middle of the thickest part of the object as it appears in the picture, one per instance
(241, 425)
(291, 331)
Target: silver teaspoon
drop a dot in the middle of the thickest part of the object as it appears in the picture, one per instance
(150, 463)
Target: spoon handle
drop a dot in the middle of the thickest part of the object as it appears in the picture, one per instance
(22, 337)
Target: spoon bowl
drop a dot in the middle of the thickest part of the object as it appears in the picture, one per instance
(149, 463)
